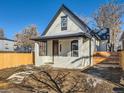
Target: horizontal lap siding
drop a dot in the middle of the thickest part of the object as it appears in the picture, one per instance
(8, 60)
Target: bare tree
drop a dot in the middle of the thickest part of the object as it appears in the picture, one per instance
(53, 82)
(23, 38)
(109, 16)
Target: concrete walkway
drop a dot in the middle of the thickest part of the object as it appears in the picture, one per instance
(109, 70)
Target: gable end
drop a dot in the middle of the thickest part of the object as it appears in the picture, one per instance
(63, 7)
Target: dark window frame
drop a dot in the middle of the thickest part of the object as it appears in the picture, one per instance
(43, 48)
(65, 20)
(6, 48)
(74, 49)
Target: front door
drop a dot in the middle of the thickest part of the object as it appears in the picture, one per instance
(55, 48)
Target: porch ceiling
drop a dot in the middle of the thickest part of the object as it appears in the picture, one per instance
(62, 36)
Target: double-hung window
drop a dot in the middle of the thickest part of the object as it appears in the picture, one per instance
(64, 23)
(74, 48)
(43, 48)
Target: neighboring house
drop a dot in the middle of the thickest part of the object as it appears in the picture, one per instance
(7, 44)
(120, 40)
(67, 42)
(103, 35)
(23, 49)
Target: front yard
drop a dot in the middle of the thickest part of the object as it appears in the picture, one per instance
(31, 79)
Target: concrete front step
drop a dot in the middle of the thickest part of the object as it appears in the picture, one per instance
(108, 62)
(107, 65)
(111, 61)
(110, 57)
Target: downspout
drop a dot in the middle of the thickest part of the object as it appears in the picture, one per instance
(52, 51)
(46, 48)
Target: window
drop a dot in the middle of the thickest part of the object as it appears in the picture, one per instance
(64, 23)
(43, 48)
(6, 48)
(74, 48)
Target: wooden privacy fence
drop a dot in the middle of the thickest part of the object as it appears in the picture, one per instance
(122, 59)
(99, 57)
(11, 59)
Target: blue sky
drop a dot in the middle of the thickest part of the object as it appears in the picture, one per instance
(15, 15)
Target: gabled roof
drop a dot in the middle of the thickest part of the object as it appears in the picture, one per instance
(6, 39)
(92, 32)
(103, 34)
(89, 33)
(63, 7)
(121, 36)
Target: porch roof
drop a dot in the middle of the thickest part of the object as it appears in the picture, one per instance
(62, 36)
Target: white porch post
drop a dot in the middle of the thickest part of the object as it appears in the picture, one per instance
(37, 62)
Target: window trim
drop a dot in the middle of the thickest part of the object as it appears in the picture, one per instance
(64, 27)
(45, 48)
(74, 41)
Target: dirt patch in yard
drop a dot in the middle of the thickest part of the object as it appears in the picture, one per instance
(54, 80)
(5, 73)
(65, 81)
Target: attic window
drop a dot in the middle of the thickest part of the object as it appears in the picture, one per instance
(64, 23)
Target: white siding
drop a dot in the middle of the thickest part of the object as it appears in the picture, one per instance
(66, 46)
(49, 47)
(72, 25)
(64, 60)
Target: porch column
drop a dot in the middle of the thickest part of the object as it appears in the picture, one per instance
(36, 50)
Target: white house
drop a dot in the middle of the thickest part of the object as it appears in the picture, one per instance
(104, 36)
(120, 41)
(7, 44)
(67, 42)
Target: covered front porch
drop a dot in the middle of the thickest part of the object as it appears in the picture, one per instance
(66, 51)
